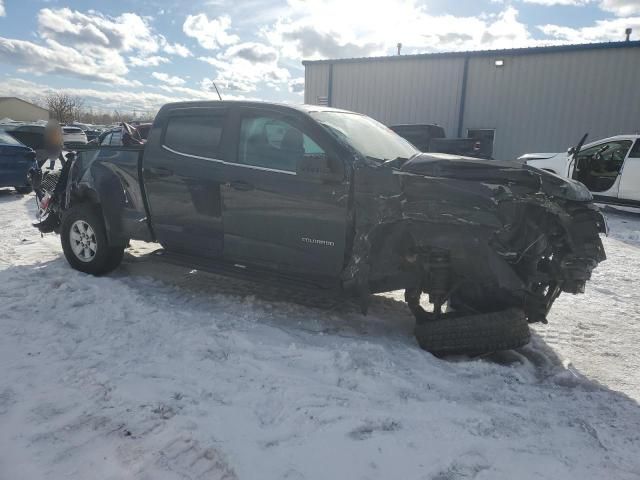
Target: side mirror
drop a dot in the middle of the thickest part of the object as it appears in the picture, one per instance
(315, 167)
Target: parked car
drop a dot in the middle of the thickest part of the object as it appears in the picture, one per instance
(432, 138)
(124, 135)
(73, 136)
(30, 135)
(609, 168)
(111, 137)
(335, 201)
(15, 161)
(92, 133)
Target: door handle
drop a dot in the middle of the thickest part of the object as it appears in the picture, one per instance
(240, 185)
(161, 171)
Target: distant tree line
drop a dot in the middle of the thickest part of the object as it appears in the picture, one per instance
(67, 108)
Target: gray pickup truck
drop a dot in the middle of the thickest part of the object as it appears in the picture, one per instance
(336, 202)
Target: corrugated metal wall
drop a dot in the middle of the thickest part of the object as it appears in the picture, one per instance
(535, 102)
(546, 102)
(316, 82)
(417, 92)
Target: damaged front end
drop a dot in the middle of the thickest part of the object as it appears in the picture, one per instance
(478, 236)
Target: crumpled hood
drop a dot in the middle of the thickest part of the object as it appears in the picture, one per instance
(440, 165)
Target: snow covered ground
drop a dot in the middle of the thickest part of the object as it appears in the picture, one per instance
(156, 372)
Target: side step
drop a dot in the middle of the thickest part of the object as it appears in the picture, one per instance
(323, 286)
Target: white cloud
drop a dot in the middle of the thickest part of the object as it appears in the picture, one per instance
(253, 52)
(109, 99)
(210, 34)
(621, 8)
(3, 12)
(152, 61)
(550, 3)
(242, 67)
(177, 49)
(601, 31)
(312, 30)
(168, 79)
(127, 32)
(56, 58)
(297, 85)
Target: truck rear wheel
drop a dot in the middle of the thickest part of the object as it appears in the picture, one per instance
(476, 334)
(84, 241)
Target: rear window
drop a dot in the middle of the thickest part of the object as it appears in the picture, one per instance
(194, 134)
(71, 130)
(30, 139)
(6, 139)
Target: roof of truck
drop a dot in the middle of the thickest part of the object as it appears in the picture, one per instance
(215, 103)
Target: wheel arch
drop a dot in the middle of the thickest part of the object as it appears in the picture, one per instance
(108, 207)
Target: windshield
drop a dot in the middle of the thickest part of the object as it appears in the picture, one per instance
(367, 136)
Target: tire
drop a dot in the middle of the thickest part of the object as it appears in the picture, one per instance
(476, 334)
(23, 190)
(98, 257)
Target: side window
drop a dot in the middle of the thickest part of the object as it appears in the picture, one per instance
(106, 140)
(635, 151)
(274, 143)
(194, 134)
(612, 155)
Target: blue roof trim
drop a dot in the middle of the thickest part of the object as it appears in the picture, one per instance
(485, 53)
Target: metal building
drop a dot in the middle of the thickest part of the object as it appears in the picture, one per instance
(16, 109)
(523, 100)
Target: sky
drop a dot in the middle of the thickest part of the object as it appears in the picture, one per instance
(136, 55)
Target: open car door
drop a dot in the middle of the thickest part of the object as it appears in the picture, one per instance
(599, 167)
(630, 176)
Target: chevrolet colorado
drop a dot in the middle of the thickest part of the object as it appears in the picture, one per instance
(335, 201)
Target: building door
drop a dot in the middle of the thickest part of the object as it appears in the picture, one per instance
(486, 137)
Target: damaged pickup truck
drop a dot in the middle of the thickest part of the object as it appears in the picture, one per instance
(334, 201)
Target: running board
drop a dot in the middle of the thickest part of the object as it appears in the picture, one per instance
(249, 272)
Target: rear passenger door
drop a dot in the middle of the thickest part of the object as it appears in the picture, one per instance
(182, 171)
(272, 217)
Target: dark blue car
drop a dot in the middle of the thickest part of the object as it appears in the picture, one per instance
(15, 161)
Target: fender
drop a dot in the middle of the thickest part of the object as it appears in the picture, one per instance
(109, 178)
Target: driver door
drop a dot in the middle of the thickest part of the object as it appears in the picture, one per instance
(274, 218)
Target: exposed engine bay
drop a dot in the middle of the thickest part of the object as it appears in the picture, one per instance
(479, 236)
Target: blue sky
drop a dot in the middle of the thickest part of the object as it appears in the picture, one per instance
(139, 54)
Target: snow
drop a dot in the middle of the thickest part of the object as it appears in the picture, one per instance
(160, 372)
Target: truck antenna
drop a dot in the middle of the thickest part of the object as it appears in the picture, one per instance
(217, 91)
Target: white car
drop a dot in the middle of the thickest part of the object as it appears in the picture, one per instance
(609, 168)
(73, 136)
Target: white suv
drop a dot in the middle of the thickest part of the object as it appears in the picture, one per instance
(73, 136)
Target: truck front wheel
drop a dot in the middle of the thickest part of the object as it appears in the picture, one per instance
(84, 241)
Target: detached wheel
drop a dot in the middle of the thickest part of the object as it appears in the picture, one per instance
(84, 241)
(23, 190)
(476, 334)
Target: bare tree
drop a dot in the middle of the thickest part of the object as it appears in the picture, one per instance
(64, 107)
